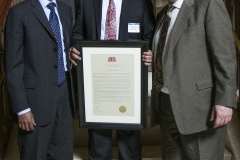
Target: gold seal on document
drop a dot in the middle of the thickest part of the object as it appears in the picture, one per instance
(122, 109)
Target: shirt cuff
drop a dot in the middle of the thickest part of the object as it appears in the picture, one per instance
(24, 111)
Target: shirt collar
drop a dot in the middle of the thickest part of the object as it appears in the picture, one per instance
(44, 3)
(178, 4)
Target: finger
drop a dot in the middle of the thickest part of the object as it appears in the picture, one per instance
(31, 126)
(148, 64)
(23, 126)
(33, 121)
(73, 62)
(221, 122)
(75, 51)
(148, 53)
(147, 57)
(219, 119)
(225, 121)
(75, 57)
(217, 123)
(147, 60)
(27, 128)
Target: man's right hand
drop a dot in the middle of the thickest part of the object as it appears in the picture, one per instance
(26, 121)
(222, 115)
(74, 55)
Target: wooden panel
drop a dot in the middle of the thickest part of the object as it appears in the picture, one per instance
(4, 7)
(5, 108)
(1, 118)
(5, 115)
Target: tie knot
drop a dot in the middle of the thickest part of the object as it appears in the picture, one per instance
(111, 4)
(51, 5)
(170, 9)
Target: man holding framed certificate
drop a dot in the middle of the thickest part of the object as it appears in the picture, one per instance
(113, 20)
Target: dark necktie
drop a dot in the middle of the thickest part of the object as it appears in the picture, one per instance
(158, 77)
(54, 22)
(110, 26)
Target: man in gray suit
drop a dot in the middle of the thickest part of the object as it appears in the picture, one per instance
(38, 34)
(194, 78)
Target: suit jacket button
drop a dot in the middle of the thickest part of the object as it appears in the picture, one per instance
(56, 84)
(55, 50)
(55, 66)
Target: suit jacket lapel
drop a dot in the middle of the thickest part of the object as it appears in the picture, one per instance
(181, 22)
(98, 16)
(126, 4)
(38, 11)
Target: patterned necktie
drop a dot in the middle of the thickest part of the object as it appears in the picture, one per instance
(110, 26)
(53, 20)
(158, 78)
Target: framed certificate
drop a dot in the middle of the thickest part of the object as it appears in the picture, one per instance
(112, 84)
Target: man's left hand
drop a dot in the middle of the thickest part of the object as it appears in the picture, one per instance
(222, 115)
(147, 58)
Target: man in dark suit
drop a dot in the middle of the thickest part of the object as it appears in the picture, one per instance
(91, 24)
(194, 78)
(37, 38)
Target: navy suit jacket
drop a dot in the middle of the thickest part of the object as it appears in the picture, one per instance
(32, 57)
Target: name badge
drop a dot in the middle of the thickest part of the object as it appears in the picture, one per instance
(133, 27)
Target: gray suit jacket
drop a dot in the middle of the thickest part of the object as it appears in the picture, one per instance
(31, 58)
(200, 66)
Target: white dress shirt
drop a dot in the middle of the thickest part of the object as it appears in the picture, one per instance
(44, 4)
(175, 12)
(118, 5)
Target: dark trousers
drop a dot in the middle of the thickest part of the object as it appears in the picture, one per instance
(206, 145)
(53, 141)
(100, 144)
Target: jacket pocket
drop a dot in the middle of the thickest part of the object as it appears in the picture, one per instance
(204, 84)
(30, 83)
